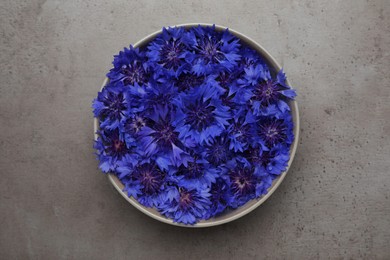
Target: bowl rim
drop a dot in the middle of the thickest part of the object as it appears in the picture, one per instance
(215, 221)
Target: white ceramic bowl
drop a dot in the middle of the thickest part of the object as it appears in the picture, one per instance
(250, 205)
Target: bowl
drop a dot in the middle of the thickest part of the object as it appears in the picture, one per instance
(250, 205)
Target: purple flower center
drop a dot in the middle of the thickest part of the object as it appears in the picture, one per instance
(170, 54)
(225, 79)
(186, 198)
(243, 182)
(133, 73)
(227, 100)
(187, 81)
(116, 147)
(163, 99)
(259, 158)
(218, 153)
(218, 190)
(135, 125)
(273, 131)
(242, 131)
(267, 92)
(209, 50)
(164, 134)
(150, 177)
(194, 169)
(247, 62)
(115, 104)
(200, 115)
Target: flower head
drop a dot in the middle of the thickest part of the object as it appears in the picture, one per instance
(151, 180)
(133, 188)
(130, 67)
(150, 177)
(169, 49)
(188, 80)
(111, 105)
(273, 161)
(227, 79)
(197, 172)
(111, 148)
(243, 182)
(275, 130)
(267, 91)
(217, 152)
(241, 130)
(249, 58)
(220, 198)
(200, 116)
(134, 125)
(214, 51)
(159, 137)
(185, 204)
(158, 96)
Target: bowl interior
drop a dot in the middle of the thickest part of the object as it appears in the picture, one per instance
(250, 205)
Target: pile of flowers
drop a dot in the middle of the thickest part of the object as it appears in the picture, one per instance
(194, 124)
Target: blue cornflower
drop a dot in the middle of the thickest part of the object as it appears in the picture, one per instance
(168, 50)
(130, 67)
(273, 161)
(220, 198)
(160, 137)
(111, 105)
(213, 51)
(234, 92)
(143, 180)
(254, 74)
(243, 181)
(151, 180)
(227, 79)
(264, 183)
(159, 96)
(241, 132)
(133, 125)
(184, 204)
(133, 188)
(242, 92)
(274, 130)
(196, 173)
(188, 80)
(111, 148)
(217, 152)
(267, 91)
(249, 58)
(200, 116)
(127, 165)
(240, 135)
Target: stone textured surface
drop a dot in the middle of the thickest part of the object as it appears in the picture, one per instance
(54, 202)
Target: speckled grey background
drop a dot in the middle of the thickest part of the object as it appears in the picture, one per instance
(54, 202)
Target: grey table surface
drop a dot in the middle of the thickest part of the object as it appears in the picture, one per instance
(334, 202)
